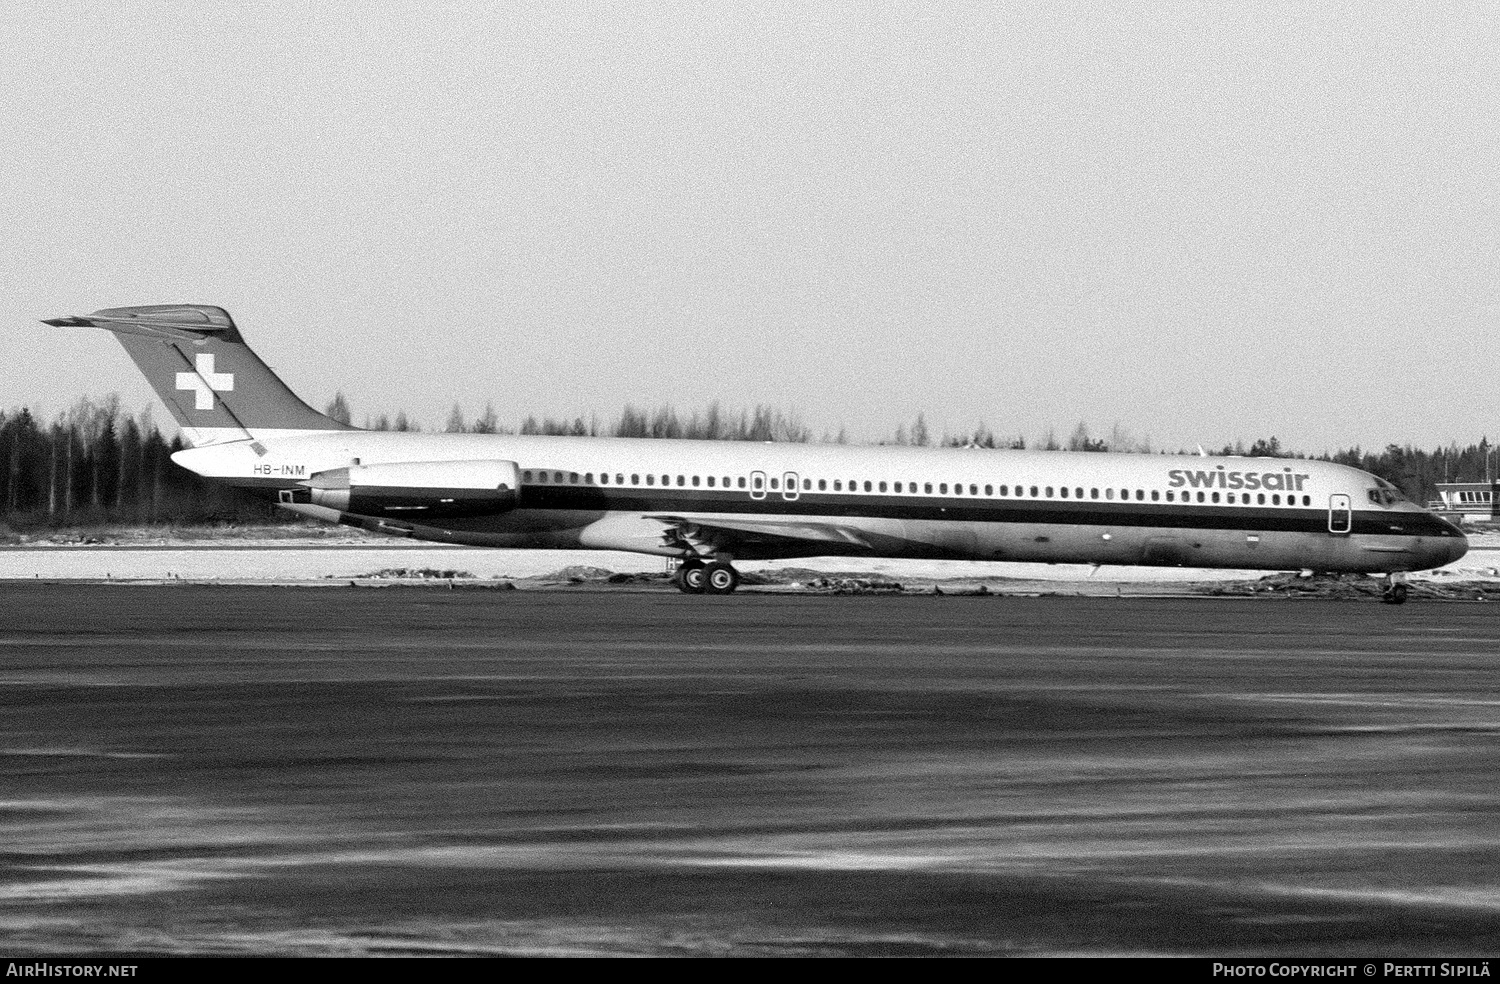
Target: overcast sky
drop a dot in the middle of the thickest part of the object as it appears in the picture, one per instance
(1207, 222)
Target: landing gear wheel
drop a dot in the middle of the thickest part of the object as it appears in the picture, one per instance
(1394, 595)
(690, 577)
(721, 579)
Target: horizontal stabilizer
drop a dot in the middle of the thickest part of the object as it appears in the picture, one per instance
(188, 323)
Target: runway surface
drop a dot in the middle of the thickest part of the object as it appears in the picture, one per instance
(215, 769)
(272, 561)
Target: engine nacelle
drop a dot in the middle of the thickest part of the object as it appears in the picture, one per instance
(419, 490)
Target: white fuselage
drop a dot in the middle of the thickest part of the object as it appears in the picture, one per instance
(677, 498)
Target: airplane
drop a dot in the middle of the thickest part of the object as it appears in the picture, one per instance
(711, 503)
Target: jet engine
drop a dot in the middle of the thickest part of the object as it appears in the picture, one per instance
(419, 489)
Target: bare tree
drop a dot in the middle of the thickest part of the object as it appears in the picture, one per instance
(338, 408)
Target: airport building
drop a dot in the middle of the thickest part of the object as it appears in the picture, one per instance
(1470, 502)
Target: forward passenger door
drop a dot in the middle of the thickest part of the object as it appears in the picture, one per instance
(1340, 515)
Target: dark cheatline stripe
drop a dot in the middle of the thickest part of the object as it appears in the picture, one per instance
(1153, 515)
(1301, 519)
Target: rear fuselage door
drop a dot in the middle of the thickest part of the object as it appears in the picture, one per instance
(790, 491)
(1340, 515)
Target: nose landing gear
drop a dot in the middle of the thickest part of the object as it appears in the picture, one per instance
(1393, 590)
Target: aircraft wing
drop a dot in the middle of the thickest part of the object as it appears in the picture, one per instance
(698, 528)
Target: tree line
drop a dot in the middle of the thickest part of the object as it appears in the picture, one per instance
(95, 464)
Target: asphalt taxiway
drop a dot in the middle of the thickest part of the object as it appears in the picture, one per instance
(230, 769)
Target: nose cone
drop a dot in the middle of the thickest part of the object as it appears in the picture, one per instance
(1448, 546)
(1456, 547)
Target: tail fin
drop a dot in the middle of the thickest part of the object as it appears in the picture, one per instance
(217, 389)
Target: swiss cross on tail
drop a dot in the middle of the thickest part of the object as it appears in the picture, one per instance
(205, 382)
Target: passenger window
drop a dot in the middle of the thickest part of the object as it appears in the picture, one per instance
(756, 482)
(775, 483)
(1109, 493)
(1005, 490)
(680, 481)
(1155, 495)
(1093, 493)
(650, 479)
(882, 486)
(867, 485)
(1307, 500)
(541, 477)
(927, 487)
(1171, 496)
(741, 482)
(1229, 497)
(807, 485)
(1064, 491)
(1049, 491)
(958, 489)
(822, 484)
(635, 479)
(1200, 496)
(526, 476)
(943, 488)
(1033, 491)
(1216, 497)
(604, 478)
(838, 485)
(588, 479)
(1140, 495)
(572, 478)
(989, 490)
(1260, 499)
(695, 481)
(897, 486)
(710, 481)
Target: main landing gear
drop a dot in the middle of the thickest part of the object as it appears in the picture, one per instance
(696, 577)
(1393, 589)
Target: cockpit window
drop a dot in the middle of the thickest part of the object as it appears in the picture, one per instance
(1385, 496)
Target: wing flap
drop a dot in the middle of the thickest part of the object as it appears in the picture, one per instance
(791, 529)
